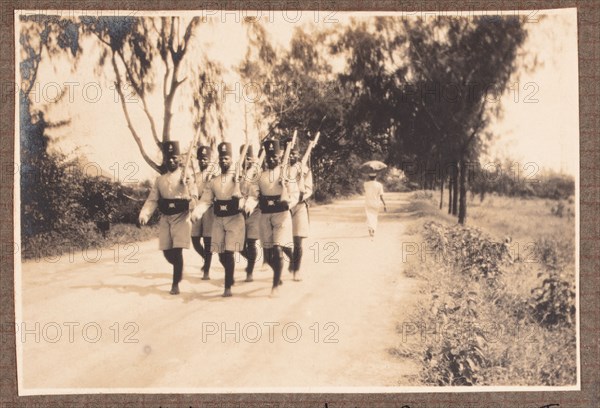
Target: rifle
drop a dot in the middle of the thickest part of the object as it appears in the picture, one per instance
(288, 149)
(261, 158)
(285, 164)
(238, 168)
(309, 149)
(188, 157)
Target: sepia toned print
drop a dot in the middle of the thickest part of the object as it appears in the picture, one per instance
(278, 202)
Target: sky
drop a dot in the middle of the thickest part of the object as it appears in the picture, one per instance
(540, 122)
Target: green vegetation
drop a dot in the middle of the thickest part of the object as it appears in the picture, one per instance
(499, 308)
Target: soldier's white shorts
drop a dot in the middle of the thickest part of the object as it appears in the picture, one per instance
(228, 233)
(203, 227)
(300, 227)
(253, 225)
(174, 231)
(276, 229)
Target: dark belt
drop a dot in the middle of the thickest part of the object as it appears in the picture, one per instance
(226, 208)
(173, 206)
(272, 204)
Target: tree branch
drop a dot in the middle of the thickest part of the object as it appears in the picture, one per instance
(36, 60)
(171, 37)
(137, 139)
(188, 33)
(138, 89)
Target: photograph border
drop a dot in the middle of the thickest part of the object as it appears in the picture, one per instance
(588, 18)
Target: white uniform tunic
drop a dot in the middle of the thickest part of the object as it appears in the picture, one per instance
(228, 231)
(300, 224)
(174, 230)
(203, 227)
(275, 227)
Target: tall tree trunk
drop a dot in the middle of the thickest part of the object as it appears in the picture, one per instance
(450, 194)
(441, 193)
(462, 209)
(136, 137)
(455, 191)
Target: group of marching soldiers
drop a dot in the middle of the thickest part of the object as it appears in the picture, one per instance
(227, 208)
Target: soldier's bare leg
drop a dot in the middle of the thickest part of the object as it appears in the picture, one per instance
(250, 253)
(289, 252)
(198, 247)
(277, 265)
(228, 262)
(175, 257)
(207, 257)
(264, 262)
(297, 257)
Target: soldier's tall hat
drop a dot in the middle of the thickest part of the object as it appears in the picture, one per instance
(272, 148)
(203, 152)
(170, 149)
(224, 149)
(249, 152)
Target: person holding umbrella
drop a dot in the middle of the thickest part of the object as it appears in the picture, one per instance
(373, 194)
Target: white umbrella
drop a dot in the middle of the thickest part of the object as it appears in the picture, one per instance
(373, 166)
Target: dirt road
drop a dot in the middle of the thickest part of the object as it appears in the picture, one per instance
(106, 320)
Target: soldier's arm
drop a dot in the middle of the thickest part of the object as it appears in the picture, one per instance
(150, 204)
(193, 190)
(204, 203)
(293, 194)
(198, 182)
(253, 194)
(308, 185)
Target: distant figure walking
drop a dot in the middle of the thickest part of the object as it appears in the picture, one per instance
(373, 194)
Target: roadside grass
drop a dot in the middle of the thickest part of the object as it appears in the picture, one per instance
(84, 236)
(499, 294)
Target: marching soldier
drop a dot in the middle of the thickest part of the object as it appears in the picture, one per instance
(302, 176)
(203, 227)
(228, 226)
(171, 193)
(275, 196)
(250, 175)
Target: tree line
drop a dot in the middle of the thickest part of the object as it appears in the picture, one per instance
(414, 91)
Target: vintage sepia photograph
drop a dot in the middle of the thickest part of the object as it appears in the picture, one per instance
(278, 201)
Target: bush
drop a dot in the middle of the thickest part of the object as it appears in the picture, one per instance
(468, 249)
(458, 357)
(394, 181)
(553, 302)
(505, 180)
(62, 207)
(481, 331)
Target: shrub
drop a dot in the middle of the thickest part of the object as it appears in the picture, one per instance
(552, 303)
(503, 335)
(468, 249)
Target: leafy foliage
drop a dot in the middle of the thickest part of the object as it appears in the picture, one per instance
(506, 179)
(469, 250)
(553, 302)
(483, 331)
